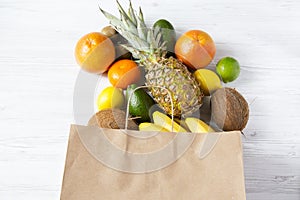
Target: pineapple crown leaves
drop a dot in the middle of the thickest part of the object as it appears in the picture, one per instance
(142, 40)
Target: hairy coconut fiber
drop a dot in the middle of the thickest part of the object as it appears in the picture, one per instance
(230, 110)
(111, 118)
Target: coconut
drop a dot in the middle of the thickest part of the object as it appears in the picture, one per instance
(111, 118)
(229, 109)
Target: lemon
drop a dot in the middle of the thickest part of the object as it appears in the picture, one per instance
(110, 97)
(209, 80)
(228, 68)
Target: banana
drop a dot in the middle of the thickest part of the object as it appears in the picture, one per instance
(166, 122)
(198, 126)
(146, 126)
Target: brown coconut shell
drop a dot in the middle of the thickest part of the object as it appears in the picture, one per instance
(229, 109)
(111, 118)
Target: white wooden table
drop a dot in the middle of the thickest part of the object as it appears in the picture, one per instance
(38, 74)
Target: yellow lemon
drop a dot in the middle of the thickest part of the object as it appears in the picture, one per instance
(110, 97)
(208, 79)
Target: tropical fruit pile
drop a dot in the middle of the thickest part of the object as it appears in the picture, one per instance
(161, 80)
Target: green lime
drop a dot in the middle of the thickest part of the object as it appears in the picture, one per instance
(168, 33)
(228, 68)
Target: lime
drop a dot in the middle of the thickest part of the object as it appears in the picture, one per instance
(110, 97)
(209, 80)
(168, 33)
(228, 68)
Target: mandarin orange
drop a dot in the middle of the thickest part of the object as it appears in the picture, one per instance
(123, 73)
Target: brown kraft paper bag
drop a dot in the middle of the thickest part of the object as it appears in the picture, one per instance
(123, 164)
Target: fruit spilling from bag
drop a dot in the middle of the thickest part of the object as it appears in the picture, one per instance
(159, 83)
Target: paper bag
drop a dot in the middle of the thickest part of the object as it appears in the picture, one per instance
(134, 165)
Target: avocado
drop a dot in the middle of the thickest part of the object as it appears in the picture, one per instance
(140, 103)
(168, 33)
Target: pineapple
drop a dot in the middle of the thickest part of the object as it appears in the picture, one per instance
(168, 79)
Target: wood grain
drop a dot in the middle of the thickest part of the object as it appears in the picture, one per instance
(38, 74)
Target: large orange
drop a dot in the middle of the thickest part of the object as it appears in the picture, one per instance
(123, 73)
(195, 48)
(94, 52)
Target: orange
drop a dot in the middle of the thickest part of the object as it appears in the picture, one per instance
(195, 48)
(123, 73)
(94, 52)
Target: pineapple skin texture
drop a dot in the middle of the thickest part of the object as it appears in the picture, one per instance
(169, 73)
(174, 76)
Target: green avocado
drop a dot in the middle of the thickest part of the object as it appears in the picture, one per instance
(168, 33)
(140, 103)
